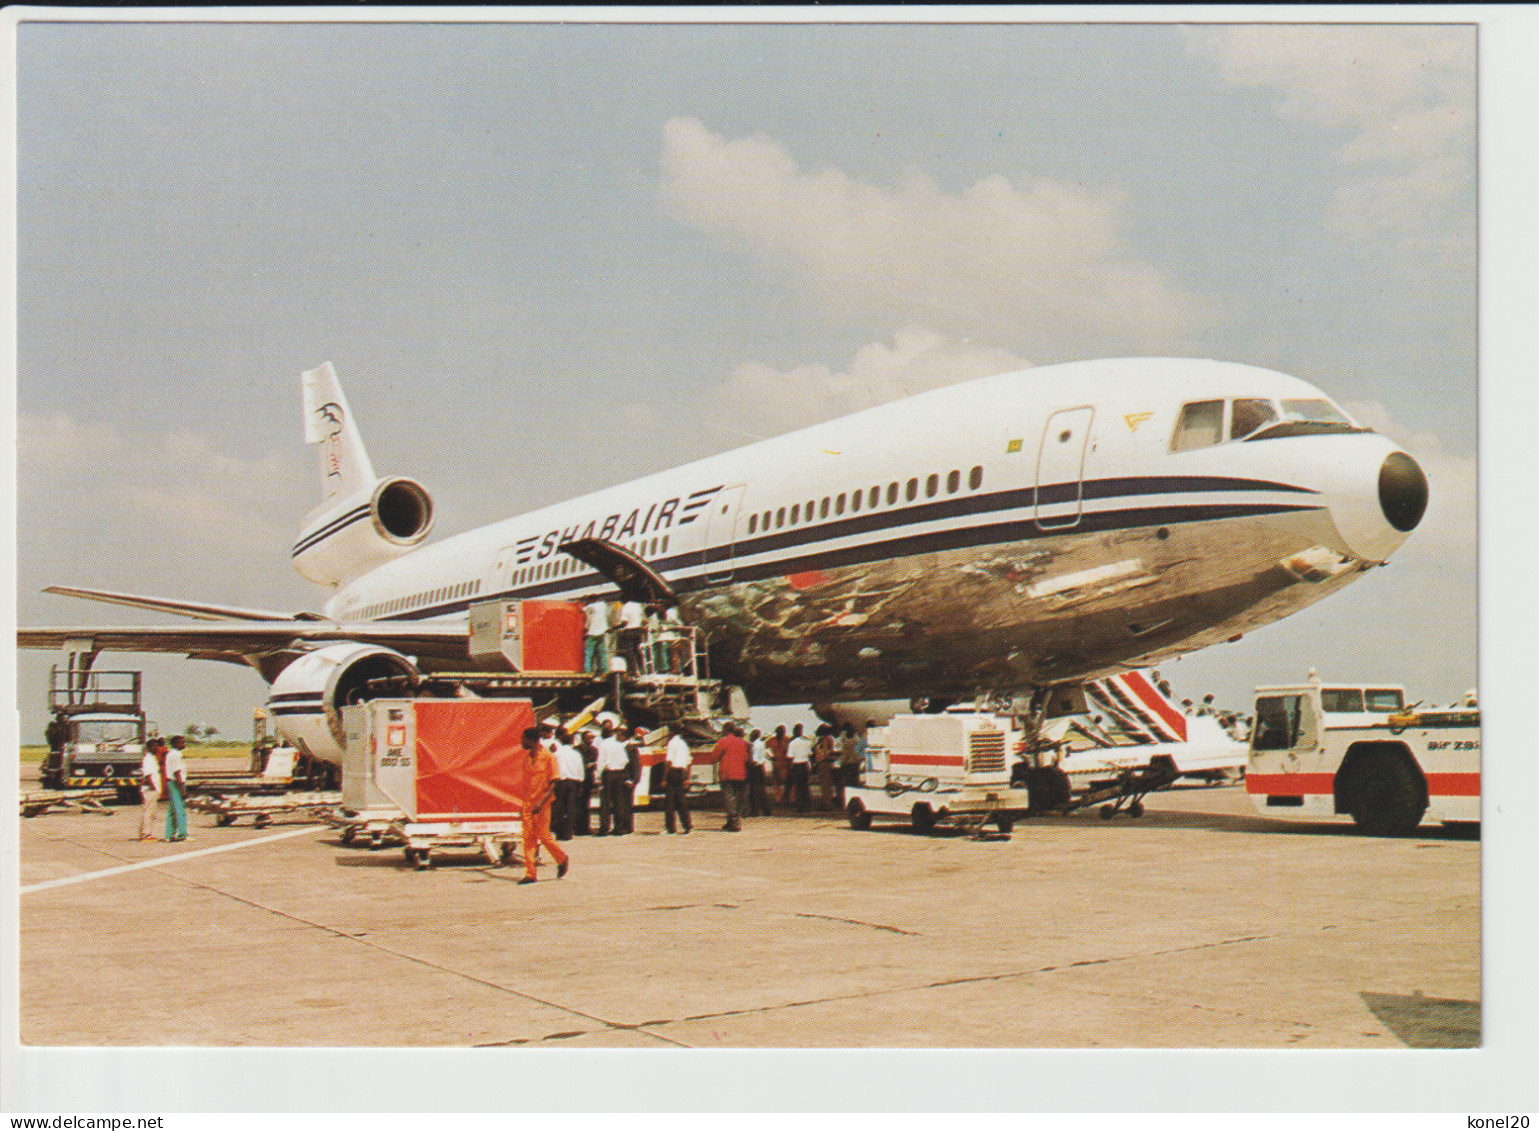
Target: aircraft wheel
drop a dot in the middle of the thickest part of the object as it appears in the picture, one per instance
(261, 820)
(859, 815)
(375, 841)
(1136, 809)
(1108, 812)
(224, 820)
(349, 835)
(923, 819)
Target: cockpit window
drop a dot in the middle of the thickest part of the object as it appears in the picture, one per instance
(1201, 426)
(1249, 415)
(1313, 412)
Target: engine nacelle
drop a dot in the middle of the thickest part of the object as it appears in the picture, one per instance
(353, 533)
(307, 698)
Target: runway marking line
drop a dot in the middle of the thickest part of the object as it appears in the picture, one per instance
(164, 860)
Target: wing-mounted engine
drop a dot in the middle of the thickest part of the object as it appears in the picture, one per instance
(364, 521)
(307, 698)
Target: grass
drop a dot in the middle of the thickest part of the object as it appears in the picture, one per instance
(203, 750)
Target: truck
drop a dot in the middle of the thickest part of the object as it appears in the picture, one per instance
(97, 731)
(1325, 751)
(929, 768)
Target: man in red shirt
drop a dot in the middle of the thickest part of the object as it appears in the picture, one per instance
(539, 786)
(731, 757)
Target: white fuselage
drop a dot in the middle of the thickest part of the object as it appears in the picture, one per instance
(1013, 531)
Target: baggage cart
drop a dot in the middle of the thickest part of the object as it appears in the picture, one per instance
(264, 809)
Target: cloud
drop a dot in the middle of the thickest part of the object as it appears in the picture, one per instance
(759, 401)
(174, 485)
(1401, 99)
(1035, 260)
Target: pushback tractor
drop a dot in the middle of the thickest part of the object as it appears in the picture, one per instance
(1322, 751)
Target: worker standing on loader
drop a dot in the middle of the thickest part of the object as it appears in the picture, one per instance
(539, 787)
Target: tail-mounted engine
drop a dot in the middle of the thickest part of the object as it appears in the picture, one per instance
(350, 534)
(363, 521)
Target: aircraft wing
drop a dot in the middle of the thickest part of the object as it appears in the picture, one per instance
(248, 640)
(202, 610)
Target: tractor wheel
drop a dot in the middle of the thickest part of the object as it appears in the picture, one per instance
(1386, 800)
(859, 815)
(923, 819)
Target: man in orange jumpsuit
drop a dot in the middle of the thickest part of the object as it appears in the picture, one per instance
(539, 786)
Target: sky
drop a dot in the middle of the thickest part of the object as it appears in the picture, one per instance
(546, 259)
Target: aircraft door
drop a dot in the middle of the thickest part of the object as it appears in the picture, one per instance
(1061, 468)
(721, 533)
(501, 578)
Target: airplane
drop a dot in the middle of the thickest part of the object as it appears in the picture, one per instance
(1009, 534)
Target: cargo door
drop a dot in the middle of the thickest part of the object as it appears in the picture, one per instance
(1061, 468)
(721, 533)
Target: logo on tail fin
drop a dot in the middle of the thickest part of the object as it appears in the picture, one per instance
(332, 413)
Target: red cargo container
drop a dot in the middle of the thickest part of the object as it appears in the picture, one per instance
(444, 759)
(531, 637)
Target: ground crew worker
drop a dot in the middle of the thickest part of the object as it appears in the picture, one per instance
(633, 632)
(539, 788)
(589, 754)
(823, 755)
(149, 790)
(676, 784)
(731, 757)
(595, 654)
(799, 782)
(176, 788)
(758, 772)
(614, 790)
(569, 777)
(633, 745)
(778, 742)
(851, 758)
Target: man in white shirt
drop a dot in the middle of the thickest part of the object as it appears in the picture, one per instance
(799, 750)
(176, 786)
(758, 773)
(614, 781)
(676, 785)
(569, 775)
(595, 655)
(149, 790)
(633, 632)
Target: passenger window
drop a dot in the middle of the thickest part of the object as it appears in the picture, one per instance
(975, 478)
(823, 508)
(796, 510)
(780, 518)
(665, 544)
(753, 523)
(809, 510)
(839, 505)
(855, 497)
(1201, 426)
(1250, 414)
(931, 486)
(876, 497)
(912, 491)
(892, 493)
(953, 481)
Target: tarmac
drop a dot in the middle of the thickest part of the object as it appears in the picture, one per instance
(1199, 925)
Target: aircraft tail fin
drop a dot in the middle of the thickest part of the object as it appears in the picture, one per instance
(345, 466)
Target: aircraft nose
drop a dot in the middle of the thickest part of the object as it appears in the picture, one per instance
(1402, 491)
